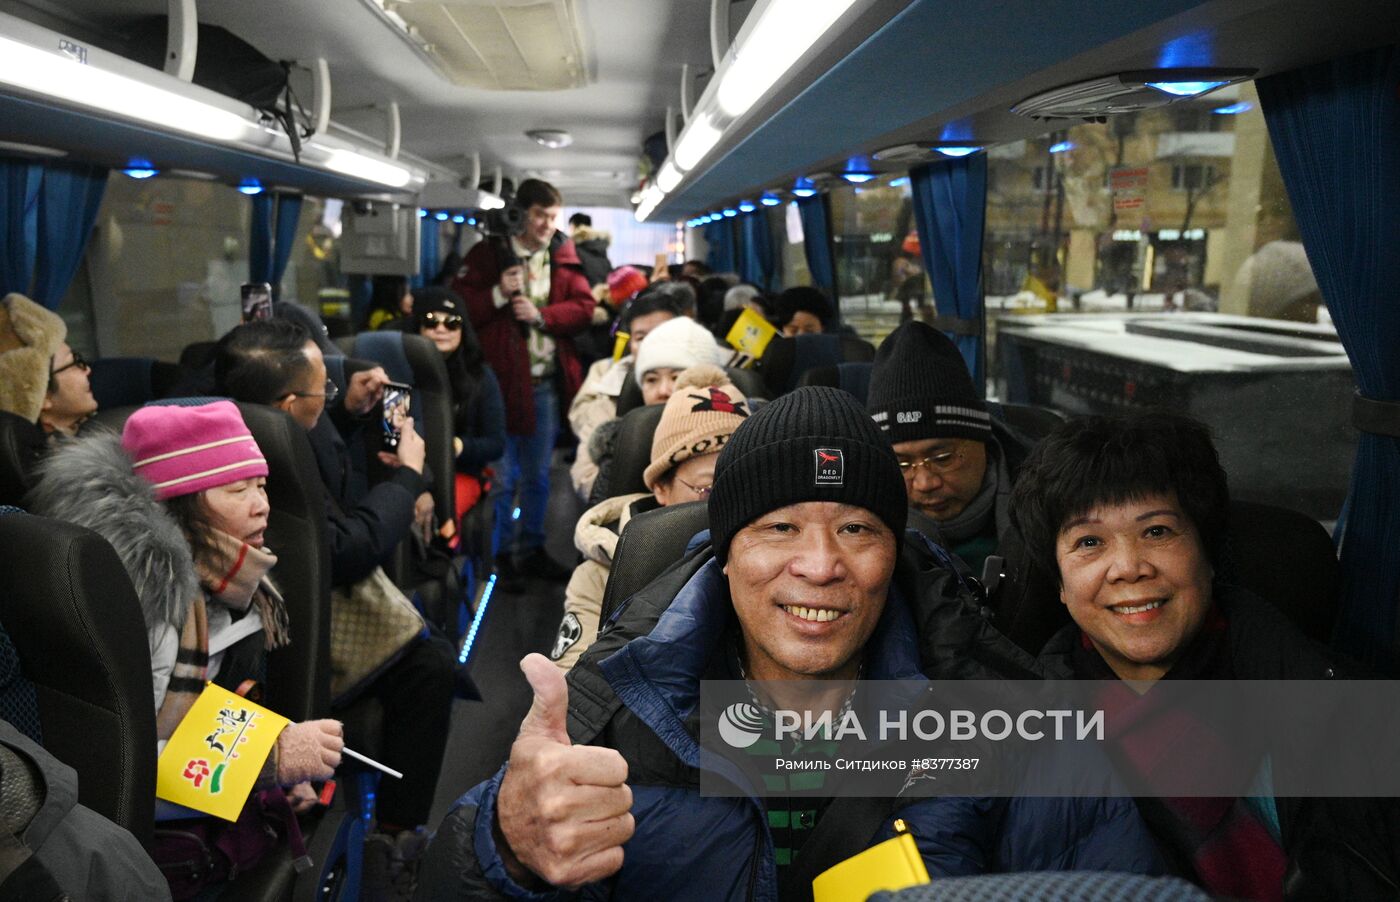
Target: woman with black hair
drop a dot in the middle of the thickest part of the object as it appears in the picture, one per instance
(390, 302)
(478, 413)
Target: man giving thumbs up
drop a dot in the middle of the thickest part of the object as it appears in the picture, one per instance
(563, 811)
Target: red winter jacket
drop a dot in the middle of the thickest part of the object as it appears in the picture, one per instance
(569, 311)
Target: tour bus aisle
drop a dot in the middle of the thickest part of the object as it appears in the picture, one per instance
(515, 625)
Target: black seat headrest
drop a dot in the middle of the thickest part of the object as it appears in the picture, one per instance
(69, 607)
(632, 452)
(651, 542)
(849, 377)
(786, 359)
(22, 444)
(1286, 558)
(1032, 421)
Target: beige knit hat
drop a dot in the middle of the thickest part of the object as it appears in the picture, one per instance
(29, 337)
(700, 415)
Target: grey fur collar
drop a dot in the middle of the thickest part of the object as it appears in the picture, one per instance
(89, 481)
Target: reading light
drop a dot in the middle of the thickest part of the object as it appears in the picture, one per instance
(68, 81)
(141, 169)
(553, 138)
(957, 151)
(459, 219)
(251, 187)
(770, 200)
(784, 32)
(804, 187)
(441, 216)
(1185, 88)
(858, 171)
(730, 213)
(422, 213)
(747, 206)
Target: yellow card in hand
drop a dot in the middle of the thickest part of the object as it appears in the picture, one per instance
(751, 334)
(216, 753)
(620, 345)
(892, 865)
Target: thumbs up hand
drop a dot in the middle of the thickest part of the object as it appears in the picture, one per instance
(564, 811)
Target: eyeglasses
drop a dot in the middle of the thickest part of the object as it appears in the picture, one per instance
(78, 360)
(701, 491)
(449, 320)
(939, 463)
(330, 394)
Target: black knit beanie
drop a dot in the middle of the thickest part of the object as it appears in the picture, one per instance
(920, 389)
(813, 444)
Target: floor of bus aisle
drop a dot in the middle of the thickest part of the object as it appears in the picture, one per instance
(514, 626)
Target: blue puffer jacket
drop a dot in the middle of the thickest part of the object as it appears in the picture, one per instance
(691, 848)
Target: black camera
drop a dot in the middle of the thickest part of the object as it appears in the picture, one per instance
(504, 222)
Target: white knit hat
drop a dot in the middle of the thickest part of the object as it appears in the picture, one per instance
(677, 344)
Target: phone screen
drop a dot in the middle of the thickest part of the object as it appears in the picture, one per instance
(257, 301)
(397, 400)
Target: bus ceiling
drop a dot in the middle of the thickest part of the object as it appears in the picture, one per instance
(459, 83)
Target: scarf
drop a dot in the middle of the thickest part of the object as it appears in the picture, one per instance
(235, 575)
(1220, 842)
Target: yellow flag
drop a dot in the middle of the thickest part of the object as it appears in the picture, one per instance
(751, 334)
(620, 345)
(217, 752)
(892, 865)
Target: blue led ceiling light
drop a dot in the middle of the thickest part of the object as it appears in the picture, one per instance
(858, 171)
(1062, 146)
(747, 206)
(471, 220)
(459, 219)
(141, 169)
(963, 150)
(804, 187)
(441, 216)
(422, 214)
(1234, 109)
(770, 199)
(899, 182)
(730, 212)
(858, 178)
(251, 187)
(1185, 88)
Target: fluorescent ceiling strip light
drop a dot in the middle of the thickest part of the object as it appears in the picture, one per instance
(784, 31)
(69, 81)
(668, 177)
(699, 138)
(360, 166)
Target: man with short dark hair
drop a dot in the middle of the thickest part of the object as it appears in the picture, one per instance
(592, 246)
(959, 463)
(807, 517)
(527, 296)
(803, 310)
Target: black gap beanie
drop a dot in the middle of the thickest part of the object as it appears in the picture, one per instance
(813, 444)
(920, 389)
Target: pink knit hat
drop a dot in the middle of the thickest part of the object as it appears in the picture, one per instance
(183, 450)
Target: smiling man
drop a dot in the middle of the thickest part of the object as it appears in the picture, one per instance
(807, 521)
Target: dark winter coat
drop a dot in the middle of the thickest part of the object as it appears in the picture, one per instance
(1336, 848)
(634, 691)
(569, 312)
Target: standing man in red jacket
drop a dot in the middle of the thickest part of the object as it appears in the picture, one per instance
(526, 305)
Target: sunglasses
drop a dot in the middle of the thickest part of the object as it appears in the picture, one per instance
(78, 360)
(448, 320)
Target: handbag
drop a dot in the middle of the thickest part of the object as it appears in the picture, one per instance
(372, 625)
(196, 853)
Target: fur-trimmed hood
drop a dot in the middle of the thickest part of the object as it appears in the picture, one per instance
(89, 481)
(29, 337)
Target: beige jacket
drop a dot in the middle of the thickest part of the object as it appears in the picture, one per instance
(594, 405)
(596, 538)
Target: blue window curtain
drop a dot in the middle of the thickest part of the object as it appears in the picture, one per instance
(429, 242)
(273, 234)
(756, 259)
(719, 235)
(816, 242)
(19, 224)
(950, 209)
(46, 216)
(1336, 132)
(68, 203)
